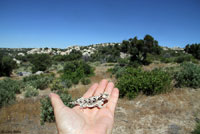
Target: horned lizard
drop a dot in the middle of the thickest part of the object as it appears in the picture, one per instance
(94, 101)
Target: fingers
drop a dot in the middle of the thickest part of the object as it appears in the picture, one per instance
(113, 100)
(109, 88)
(101, 87)
(91, 91)
(56, 102)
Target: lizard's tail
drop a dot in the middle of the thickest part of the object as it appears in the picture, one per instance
(73, 103)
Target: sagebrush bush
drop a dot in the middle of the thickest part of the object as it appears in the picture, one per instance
(56, 85)
(31, 78)
(8, 89)
(172, 70)
(123, 62)
(117, 70)
(85, 81)
(13, 85)
(30, 91)
(38, 81)
(166, 60)
(66, 83)
(7, 92)
(47, 114)
(133, 81)
(188, 76)
(183, 58)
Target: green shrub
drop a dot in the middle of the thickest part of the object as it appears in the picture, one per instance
(42, 83)
(30, 91)
(183, 58)
(188, 76)
(75, 81)
(166, 60)
(193, 49)
(133, 81)
(56, 85)
(85, 81)
(172, 70)
(8, 89)
(76, 70)
(13, 85)
(31, 78)
(39, 81)
(47, 114)
(119, 73)
(6, 65)
(40, 62)
(66, 83)
(197, 128)
(7, 94)
(39, 84)
(117, 70)
(123, 62)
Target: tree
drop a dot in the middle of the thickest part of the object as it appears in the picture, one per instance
(138, 49)
(74, 55)
(40, 62)
(193, 49)
(6, 65)
(125, 46)
(148, 40)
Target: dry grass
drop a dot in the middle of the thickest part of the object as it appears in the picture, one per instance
(24, 117)
(158, 65)
(156, 114)
(168, 113)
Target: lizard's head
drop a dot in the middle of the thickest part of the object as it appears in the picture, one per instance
(105, 95)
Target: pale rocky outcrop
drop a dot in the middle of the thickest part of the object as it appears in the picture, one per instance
(17, 61)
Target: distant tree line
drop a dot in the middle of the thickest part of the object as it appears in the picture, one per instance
(74, 55)
(137, 49)
(193, 49)
(110, 53)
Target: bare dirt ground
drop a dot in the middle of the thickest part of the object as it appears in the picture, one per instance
(171, 113)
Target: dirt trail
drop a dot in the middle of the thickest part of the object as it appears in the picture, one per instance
(171, 113)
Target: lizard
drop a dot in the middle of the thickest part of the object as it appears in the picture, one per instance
(94, 101)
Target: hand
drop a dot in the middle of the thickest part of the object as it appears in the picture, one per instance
(89, 120)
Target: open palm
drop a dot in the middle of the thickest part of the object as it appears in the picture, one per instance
(89, 120)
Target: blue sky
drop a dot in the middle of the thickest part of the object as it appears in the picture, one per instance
(62, 23)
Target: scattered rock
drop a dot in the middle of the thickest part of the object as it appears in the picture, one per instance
(39, 72)
(174, 129)
(24, 73)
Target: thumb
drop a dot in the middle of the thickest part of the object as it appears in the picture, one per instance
(56, 102)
